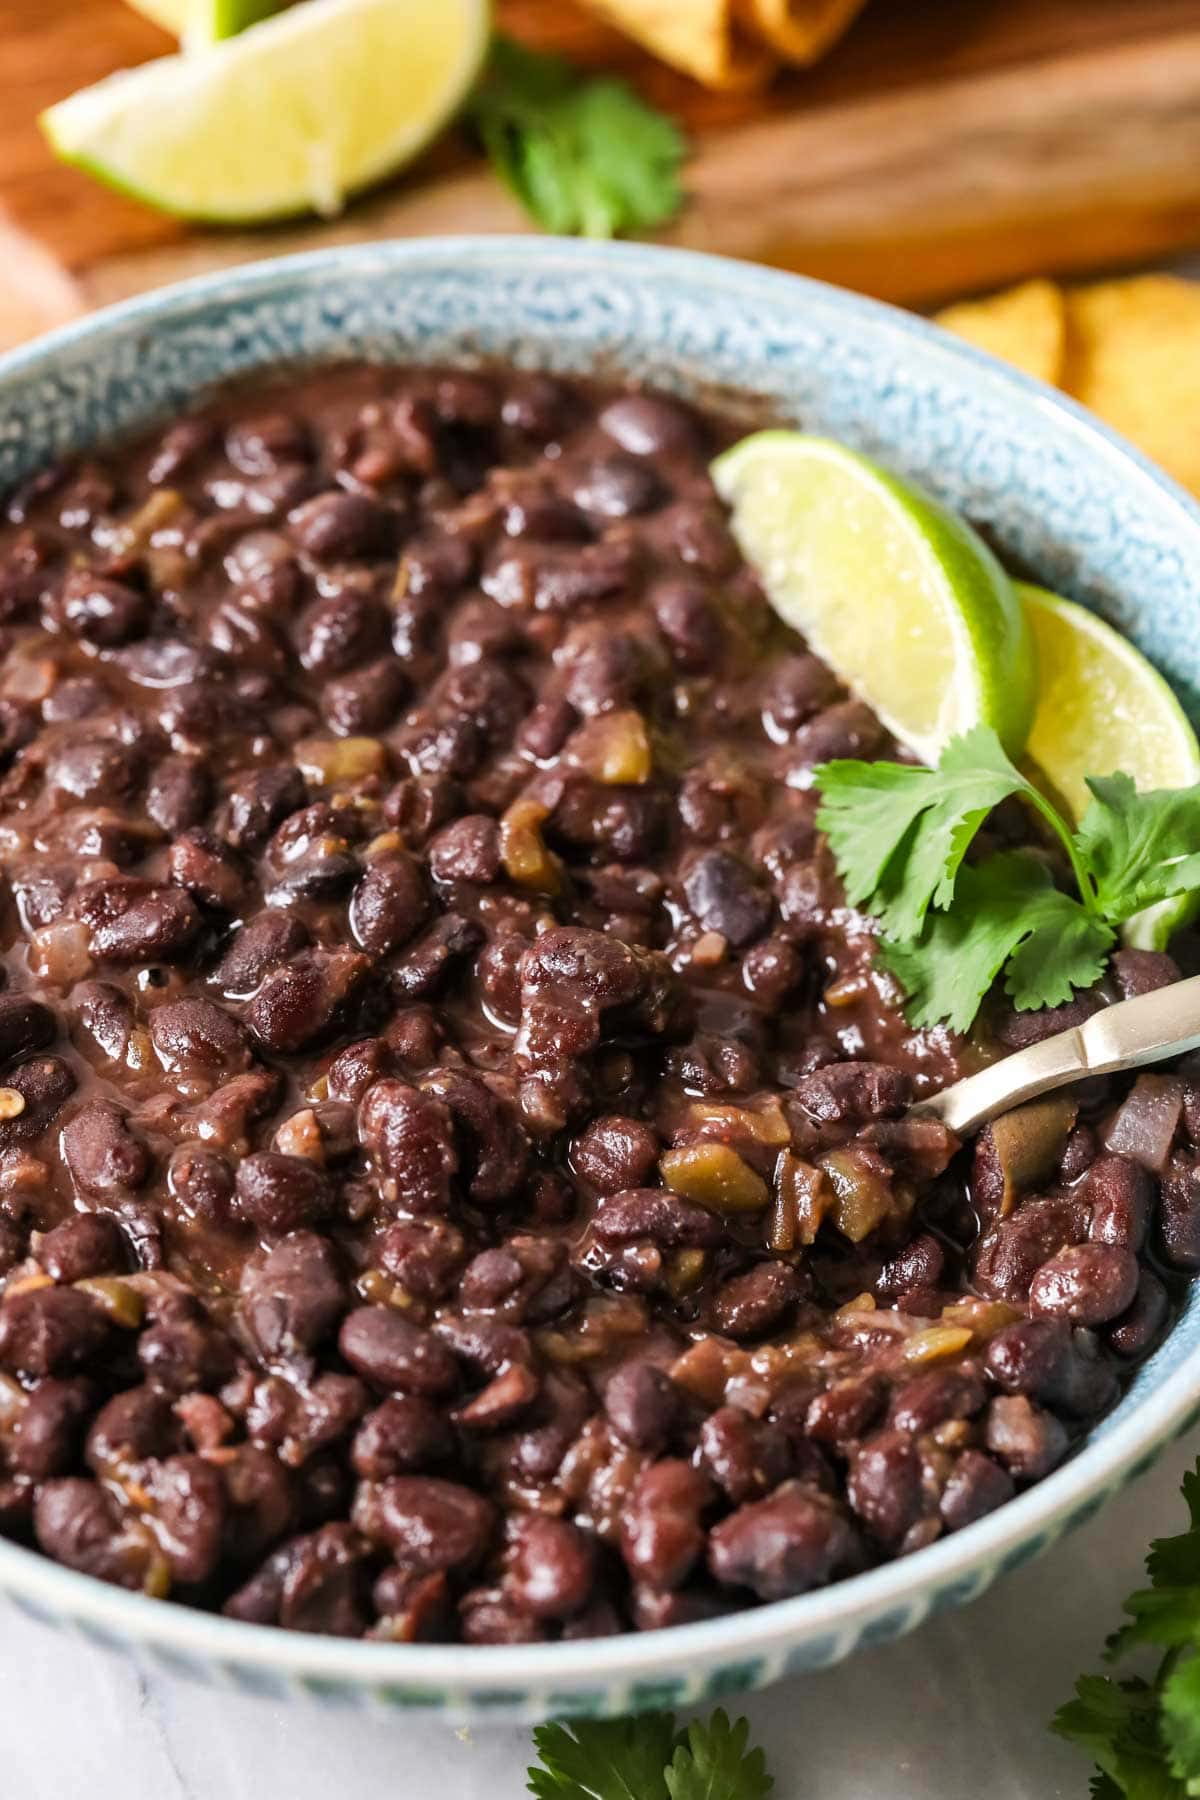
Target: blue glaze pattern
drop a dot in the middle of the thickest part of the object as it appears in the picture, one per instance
(1067, 502)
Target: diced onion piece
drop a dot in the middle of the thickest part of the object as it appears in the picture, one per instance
(1144, 1125)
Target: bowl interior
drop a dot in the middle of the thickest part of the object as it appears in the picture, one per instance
(1064, 501)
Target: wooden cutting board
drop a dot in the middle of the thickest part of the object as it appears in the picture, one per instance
(944, 145)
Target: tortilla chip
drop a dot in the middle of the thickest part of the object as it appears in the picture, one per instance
(1025, 326)
(1133, 356)
(704, 38)
(800, 30)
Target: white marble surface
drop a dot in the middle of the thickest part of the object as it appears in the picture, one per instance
(955, 1712)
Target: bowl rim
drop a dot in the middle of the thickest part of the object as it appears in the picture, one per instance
(1053, 1504)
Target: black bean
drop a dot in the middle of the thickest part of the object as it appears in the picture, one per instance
(1008, 1257)
(302, 1002)
(104, 1156)
(1119, 1192)
(86, 1244)
(643, 1406)
(341, 629)
(294, 1297)
(277, 1194)
(25, 1024)
(1179, 1214)
(550, 1566)
(198, 1034)
(178, 793)
(79, 1523)
(50, 1331)
(129, 1429)
(854, 1092)
(662, 1530)
(1089, 1284)
(790, 1542)
(368, 699)
(746, 1457)
(757, 1301)
(268, 441)
(396, 1354)
(44, 1084)
(617, 487)
(467, 850)
(664, 1218)
(884, 1488)
(183, 1351)
(688, 620)
(1143, 1320)
(650, 425)
(48, 1433)
(406, 1435)
(339, 524)
(428, 1524)
(133, 921)
(208, 869)
(257, 802)
(202, 1183)
(1026, 1439)
(407, 1135)
(389, 904)
(615, 1153)
(1142, 971)
(976, 1486)
(102, 611)
(845, 1409)
(189, 1512)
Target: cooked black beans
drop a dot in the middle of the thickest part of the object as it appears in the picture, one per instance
(459, 1181)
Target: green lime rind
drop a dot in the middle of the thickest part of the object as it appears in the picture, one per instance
(212, 21)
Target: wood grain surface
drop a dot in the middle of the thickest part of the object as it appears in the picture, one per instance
(941, 147)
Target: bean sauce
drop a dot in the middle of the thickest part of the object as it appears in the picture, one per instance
(454, 1179)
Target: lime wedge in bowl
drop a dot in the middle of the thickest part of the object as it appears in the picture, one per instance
(290, 116)
(1101, 707)
(901, 598)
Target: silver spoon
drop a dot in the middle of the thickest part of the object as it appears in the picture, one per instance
(1146, 1029)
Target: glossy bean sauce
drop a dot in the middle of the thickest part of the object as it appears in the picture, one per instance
(453, 1174)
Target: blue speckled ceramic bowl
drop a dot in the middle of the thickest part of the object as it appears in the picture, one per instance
(1080, 510)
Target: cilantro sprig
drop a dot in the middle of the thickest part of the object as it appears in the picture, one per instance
(1143, 1731)
(948, 927)
(584, 157)
(647, 1758)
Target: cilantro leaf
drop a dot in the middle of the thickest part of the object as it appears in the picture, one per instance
(604, 1759)
(948, 927)
(1007, 910)
(1139, 848)
(714, 1763)
(899, 834)
(1117, 1725)
(1144, 1735)
(584, 157)
(1181, 1722)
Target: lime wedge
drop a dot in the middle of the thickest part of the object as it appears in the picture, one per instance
(903, 601)
(288, 117)
(199, 22)
(1101, 707)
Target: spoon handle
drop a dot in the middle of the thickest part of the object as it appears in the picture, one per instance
(1146, 1029)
